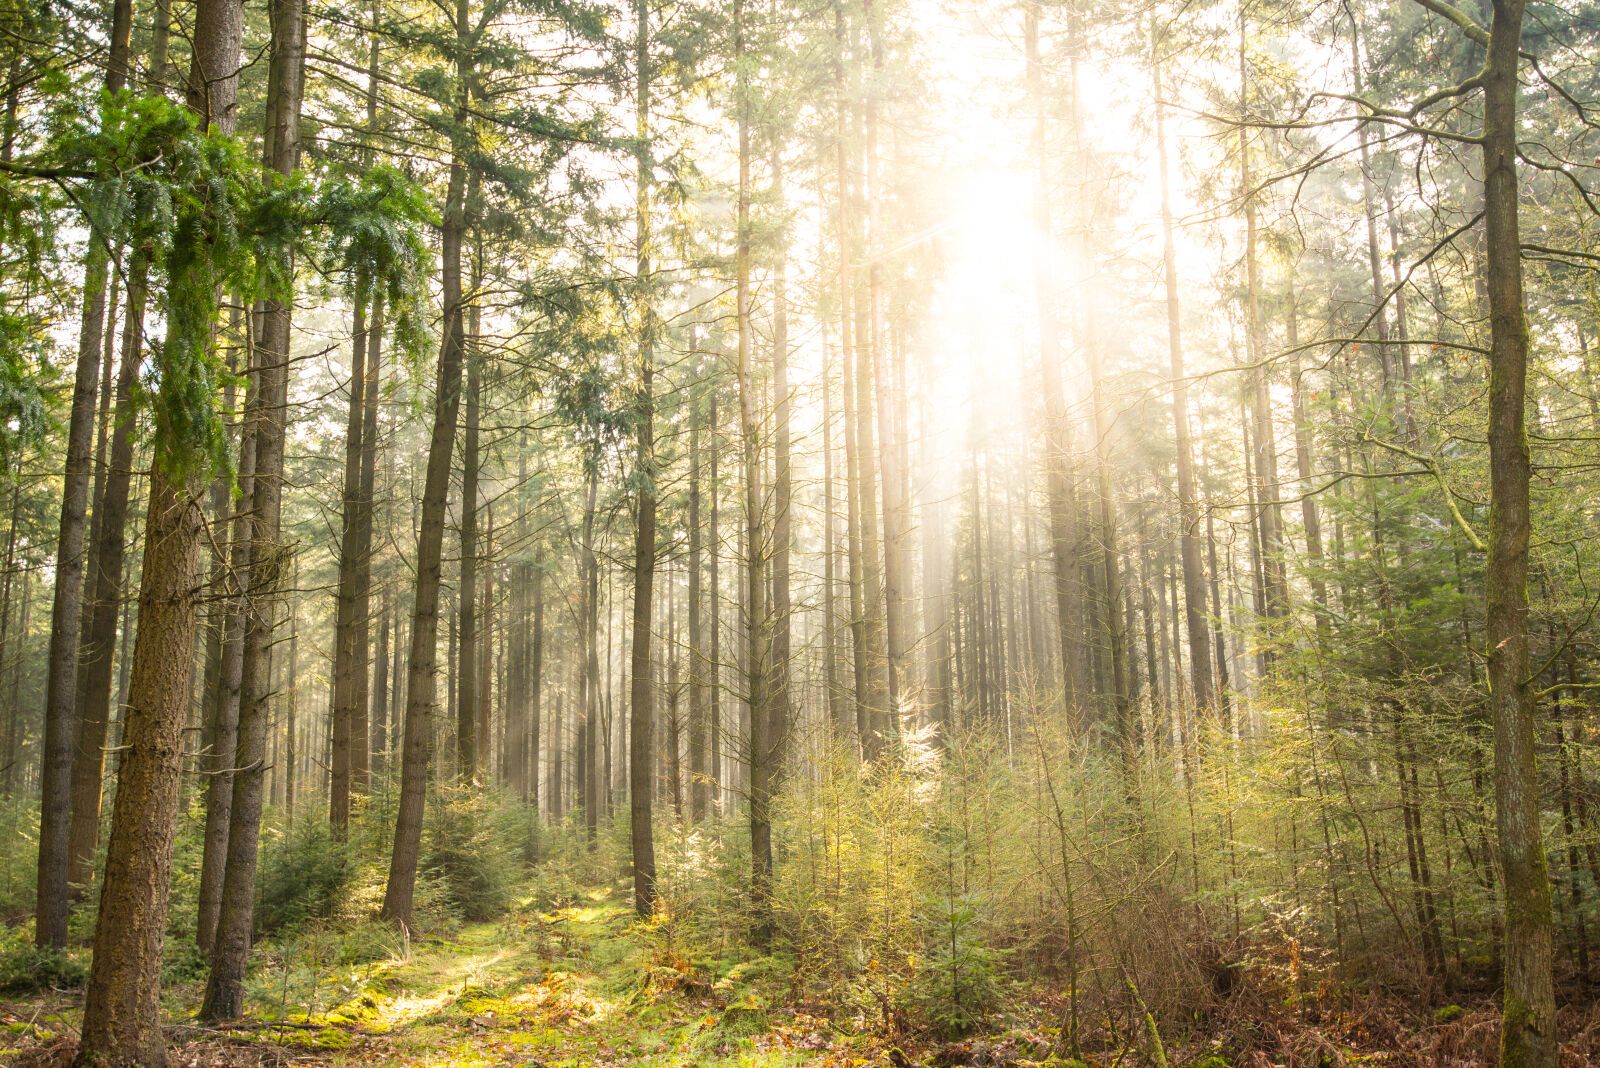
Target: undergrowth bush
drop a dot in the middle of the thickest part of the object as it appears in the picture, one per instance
(960, 981)
(471, 851)
(304, 875)
(26, 967)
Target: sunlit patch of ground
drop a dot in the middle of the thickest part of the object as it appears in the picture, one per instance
(573, 988)
(563, 989)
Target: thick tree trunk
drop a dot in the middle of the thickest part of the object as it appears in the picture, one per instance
(122, 1015)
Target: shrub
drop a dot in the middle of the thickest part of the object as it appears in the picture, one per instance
(471, 850)
(304, 876)
(25, 967)
(959, 981)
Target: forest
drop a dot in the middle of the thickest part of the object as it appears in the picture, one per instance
(779, 533)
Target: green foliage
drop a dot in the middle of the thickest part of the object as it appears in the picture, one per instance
(959, 981)
(471, 851)
(26, 968)
(374, 237)
(304, 875)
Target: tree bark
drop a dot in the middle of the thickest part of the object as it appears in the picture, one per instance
(53, 900)
(1059, 488)
(467, 740)
(641, 766)
(122, 1016)
(263, 577)
(421, 667)
(1528, 1021)
(1194, 593)
(756, 620)
(95, 674)
(349, 653)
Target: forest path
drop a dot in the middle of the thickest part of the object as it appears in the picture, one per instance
(568, 988)
(576, 987)
(583, 986)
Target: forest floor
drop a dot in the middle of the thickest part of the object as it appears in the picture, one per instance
(577, 986)
(587, 986)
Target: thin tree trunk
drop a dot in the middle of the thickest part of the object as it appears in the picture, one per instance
(780, 708)
(1528, 1023)
(95, 674)
(263, 578)
(467, 739)
(862, 727)
(698, 668)
(757, 623)
(1194, 594)
(53, 900)
(349, 653)
(714, 590)
(420, 683)
(588, 795)
(641, 694)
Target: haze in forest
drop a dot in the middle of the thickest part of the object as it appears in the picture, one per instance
(720, 532)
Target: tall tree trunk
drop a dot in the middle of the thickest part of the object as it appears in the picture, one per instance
(755, 610)
(641, 768)
(122, 1013)
(535, 692)
(589, 793)
(1059, 487)
(95, 673)
(1194, 593)
(360, 720)
(1310, 513)
(1106, 503)
(222, 711)
(349, 653)
(1269, 513)
(263, 578)
(862, 726)
(53, 900)
(467, 740)
(1528, 1024)
(896, 626)
(698, 668)
(830, 526)
(291, 752)
(714, 590)
(780, 704)
(420, 670)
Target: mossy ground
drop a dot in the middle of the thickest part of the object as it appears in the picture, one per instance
(577, 986)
